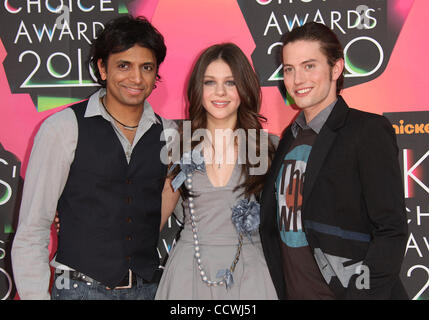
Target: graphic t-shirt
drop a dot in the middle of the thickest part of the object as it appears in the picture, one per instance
(302, 275)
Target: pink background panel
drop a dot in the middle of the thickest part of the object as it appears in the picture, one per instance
(404, 84)
(191, 26)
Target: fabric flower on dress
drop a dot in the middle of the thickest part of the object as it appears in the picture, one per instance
(245, 216)
(190, 162)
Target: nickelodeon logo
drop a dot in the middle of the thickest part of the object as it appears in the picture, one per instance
(411, 128)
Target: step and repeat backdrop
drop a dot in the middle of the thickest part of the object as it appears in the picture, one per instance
(44, 47)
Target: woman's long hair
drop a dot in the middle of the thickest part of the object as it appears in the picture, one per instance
(248, 117)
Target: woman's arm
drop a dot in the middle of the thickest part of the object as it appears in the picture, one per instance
(169, 201)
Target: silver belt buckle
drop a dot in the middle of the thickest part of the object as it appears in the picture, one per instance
(130, 281)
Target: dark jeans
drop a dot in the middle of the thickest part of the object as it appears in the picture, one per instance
(78, 290)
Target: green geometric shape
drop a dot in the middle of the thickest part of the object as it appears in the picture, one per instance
(8, 229)
(5, 196)
(48, 103)
(52, 70)
(278, 75)
(354, 68)
(122, 8)
(289, 100)
(53, 83)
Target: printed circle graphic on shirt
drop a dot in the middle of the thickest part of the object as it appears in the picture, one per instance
(289, 187)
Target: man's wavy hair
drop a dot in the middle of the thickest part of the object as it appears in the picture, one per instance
(121, 34)
(329, 43)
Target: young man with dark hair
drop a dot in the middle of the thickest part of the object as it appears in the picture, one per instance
(333, 223)
(98, 163)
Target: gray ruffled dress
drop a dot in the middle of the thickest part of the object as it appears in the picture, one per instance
(218, 241)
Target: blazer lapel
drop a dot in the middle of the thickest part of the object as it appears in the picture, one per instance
(322, 145)
(269, 186)
(282, 149)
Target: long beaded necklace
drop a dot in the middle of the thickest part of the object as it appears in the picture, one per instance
(245, 217)
(226, 274)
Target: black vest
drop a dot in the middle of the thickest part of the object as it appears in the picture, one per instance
(110, 211)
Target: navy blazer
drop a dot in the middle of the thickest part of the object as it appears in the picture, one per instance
(353, 208)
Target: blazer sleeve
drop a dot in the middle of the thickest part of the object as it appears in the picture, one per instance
(382, 193)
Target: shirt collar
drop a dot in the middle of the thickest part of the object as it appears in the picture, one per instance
(95, 108)
(315, 124)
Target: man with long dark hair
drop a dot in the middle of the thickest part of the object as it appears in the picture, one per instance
(333, 223)
(98, 163)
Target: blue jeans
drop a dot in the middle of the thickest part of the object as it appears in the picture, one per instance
(78, 290)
